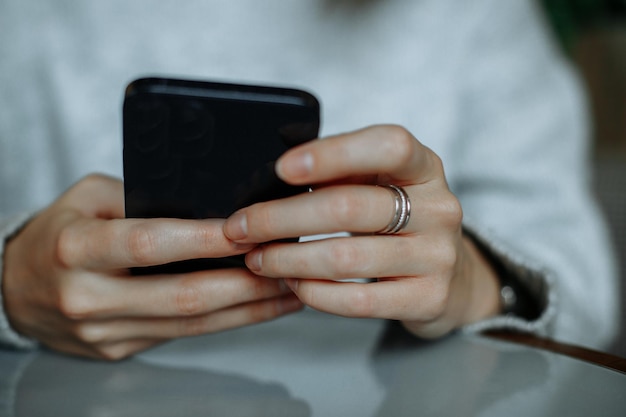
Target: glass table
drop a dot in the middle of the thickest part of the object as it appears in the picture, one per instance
(312, 364)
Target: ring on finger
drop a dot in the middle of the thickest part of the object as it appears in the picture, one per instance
(402, 210)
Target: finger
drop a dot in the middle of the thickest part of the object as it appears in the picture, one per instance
(75, 337)
(346, 208)
(110, 351)
(92, 296)
(390, 152)
(394, 300)
(124, 349)
(98, 196)
(110, 332)
(355, 257)
(354, 208)
(124, 243)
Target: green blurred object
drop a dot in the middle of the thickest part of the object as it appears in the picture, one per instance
(570, 18)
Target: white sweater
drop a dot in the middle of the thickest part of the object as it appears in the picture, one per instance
(479, 82)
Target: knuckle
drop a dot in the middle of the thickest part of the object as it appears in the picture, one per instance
(400, 143)
(450, 211)
(66, 248)
(92, 180)
(345, 208)
(141, 244)
(112, 353)
(345, 259)
(89, 333)
(447, 256)
(188, 299)
(404, 249)
(362, 303)
(436, 163)
(75, 303)
(121, 349)
(88, 183)
(206, 240)
(436, 303)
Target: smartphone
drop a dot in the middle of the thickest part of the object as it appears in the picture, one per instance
(201, 149)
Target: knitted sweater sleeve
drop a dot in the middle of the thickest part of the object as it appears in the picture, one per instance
(522, 176)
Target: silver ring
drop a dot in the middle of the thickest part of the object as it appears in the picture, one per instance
(402, 213)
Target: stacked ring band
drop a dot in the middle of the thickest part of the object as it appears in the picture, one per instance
(402, 205)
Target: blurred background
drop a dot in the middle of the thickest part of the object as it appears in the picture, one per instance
(593, 34)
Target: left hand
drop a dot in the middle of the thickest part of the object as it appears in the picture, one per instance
(428, 275)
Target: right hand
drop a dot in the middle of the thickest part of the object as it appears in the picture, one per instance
(66, 281)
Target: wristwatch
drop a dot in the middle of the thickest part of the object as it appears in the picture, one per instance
(508, 300)
(515, 298)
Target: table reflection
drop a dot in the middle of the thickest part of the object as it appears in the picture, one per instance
(448, 378)
(54, 385)
(477, 376)
(313, 365)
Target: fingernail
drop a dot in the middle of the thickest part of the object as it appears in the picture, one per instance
(292, 283)
(254, 260)
(295, 165)
(236, 227)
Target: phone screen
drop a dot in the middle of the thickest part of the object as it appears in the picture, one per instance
(196, 149)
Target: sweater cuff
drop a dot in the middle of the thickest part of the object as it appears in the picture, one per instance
(535, 280)
(8, 337)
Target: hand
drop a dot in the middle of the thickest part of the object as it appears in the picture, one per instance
(66, 280)
(429, 275)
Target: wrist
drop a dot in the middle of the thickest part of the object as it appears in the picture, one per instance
(511, 295)
(483, 285)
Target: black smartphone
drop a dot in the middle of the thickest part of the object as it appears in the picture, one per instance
(201, 149)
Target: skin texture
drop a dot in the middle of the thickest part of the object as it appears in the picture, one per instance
(429, 276)
(66, 280)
